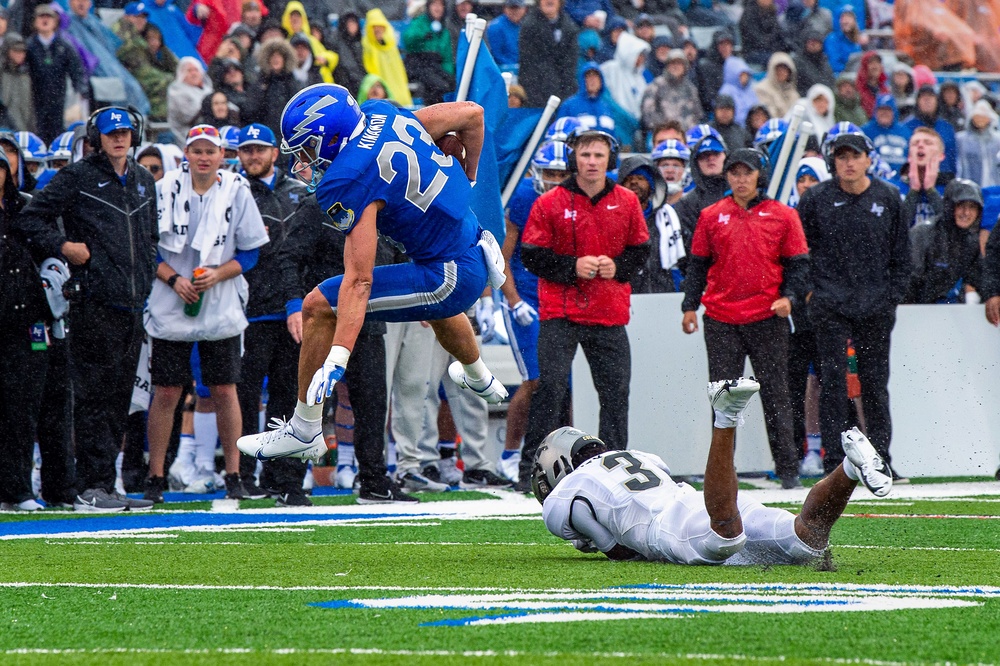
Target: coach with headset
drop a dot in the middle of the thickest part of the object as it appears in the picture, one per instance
(749, 267)
(584, 240)
(109, 236)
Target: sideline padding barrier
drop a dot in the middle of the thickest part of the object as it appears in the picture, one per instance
(945, 367)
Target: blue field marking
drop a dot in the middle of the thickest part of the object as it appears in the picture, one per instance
(179, 497)
(137, 521)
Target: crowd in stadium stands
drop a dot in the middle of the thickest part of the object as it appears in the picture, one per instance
(687, 86)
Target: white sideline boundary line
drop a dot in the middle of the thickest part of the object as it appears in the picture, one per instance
(453, 653)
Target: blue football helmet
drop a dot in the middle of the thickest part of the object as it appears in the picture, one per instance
(770, 131)
(551, 156)
(62, 148)
(32, 148)
(316, 124)
(230, 140)
(699, 132)
(230, 137)
(843, 127)
(563, 129)
(671, 149)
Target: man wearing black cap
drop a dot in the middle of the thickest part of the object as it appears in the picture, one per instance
(860, 257)
(107, 205)
(811, 64)
(51, 59)
(710, 67)
(748, 266)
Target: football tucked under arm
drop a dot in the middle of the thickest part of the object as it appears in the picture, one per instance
(449, 144)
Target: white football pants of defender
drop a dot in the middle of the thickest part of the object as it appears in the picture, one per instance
(470, 412)
(408, 346)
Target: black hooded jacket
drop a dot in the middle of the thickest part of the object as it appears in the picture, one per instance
(350, 68)
(22, 299)
(707, 190)
(649, 278)
(279, 209)
(710, 68)
(117, 222)
(942, 253)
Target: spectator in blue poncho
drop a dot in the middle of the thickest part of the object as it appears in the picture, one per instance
(890, 137)
(594, 101)
(844, 40)
(503, 31)
(179, 35)
(99, 40)
(738, 84)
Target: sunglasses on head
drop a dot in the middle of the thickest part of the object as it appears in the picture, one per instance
(204, 130)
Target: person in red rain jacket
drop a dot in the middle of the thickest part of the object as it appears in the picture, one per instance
(749, 267)
(584, 240)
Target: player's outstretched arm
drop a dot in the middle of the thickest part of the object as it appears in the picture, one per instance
(463, 118)
(359, 263)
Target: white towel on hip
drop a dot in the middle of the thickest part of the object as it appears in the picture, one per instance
(671, 243)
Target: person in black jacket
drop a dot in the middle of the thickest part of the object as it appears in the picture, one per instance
(548, 51)
(312, 251)
(107, 204)
(24, 314)
(709, 68)
(639, 174)
(860, 253)
(270, 350)
(945, 253)
(267, 97)
(811, 64)
(350, 69)
(761, 32)
(51, 59)
(707, 159)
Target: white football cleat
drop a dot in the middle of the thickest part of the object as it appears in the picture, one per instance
(870, 468)
(281, 442)
(729, 398)
(494, 392)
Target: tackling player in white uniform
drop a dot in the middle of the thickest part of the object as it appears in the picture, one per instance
(626, 505)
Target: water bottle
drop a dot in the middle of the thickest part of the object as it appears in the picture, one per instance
(192, 309)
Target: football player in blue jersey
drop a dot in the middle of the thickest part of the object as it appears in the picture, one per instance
(377, 172)
(549, 167)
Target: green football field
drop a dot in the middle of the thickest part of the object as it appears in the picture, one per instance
(475, 577)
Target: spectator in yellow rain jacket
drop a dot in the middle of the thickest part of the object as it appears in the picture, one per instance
(381, 56)
(295, 21)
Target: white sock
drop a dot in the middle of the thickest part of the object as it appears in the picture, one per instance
(390, 457)
(814, 443)
(307, 422)
(851, 471)
(261, 418)
(724, 420)
(118, 464)
(206, 437)
(345, 455)
(477, 375)
(185, 457)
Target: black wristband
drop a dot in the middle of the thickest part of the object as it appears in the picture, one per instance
(172, 280)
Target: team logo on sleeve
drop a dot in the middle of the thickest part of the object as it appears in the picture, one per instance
(343, 218)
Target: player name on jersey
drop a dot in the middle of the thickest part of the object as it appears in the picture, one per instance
(368, 138)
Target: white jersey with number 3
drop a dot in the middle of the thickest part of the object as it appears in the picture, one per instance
(631, 495)
(625, 490)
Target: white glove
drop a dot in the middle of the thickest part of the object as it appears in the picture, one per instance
(484, 317)
(327, 376)
(523, 313)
